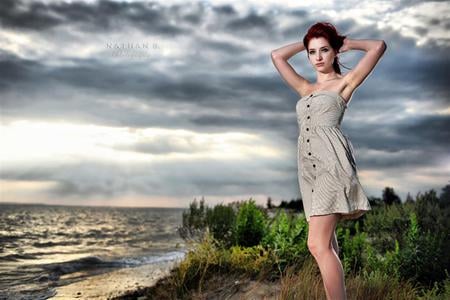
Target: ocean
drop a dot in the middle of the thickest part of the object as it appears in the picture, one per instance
(51, 252)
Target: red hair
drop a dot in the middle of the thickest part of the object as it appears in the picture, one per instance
(329, 32)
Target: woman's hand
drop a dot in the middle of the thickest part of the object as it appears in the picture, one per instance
(345, 46)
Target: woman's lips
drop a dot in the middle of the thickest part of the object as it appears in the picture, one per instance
(319, 64)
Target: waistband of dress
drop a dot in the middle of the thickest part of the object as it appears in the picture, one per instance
(313, 126)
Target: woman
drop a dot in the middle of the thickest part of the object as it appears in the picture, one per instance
(328, 176)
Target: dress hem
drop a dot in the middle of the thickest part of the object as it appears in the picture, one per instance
(344, 215)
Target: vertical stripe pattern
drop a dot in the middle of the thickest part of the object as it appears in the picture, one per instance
(327, 171)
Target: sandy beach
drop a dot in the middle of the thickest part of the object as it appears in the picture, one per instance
(116, 283)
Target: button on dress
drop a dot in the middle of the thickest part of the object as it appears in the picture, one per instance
(327, 172)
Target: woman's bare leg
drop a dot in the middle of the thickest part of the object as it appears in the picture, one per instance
(320, 243)
(335, 243)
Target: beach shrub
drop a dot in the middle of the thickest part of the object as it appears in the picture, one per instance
(422, 255)
(417, 257)
(439, 291)
(386, 224)
(204, 259)
(433, 219)
(250, 224)
(194, 221)
(252, 260)
(430, 216)
(287, 235)
(221, 220)
(352, 248)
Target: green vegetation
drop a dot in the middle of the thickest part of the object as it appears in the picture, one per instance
(396, 251)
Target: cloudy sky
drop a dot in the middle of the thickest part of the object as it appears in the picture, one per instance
(194, 107)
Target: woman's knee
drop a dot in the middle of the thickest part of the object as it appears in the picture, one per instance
(318, 247)
(321, 233)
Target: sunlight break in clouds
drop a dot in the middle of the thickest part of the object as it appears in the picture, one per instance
(67, 142)
(39, 147)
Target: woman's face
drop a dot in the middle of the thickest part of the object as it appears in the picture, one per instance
(321, 54)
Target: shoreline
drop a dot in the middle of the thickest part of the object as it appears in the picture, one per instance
(116, 284)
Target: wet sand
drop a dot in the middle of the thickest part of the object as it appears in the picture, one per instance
(115, 283)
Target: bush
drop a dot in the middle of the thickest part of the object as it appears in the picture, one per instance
(287, 237)
(194, 221)
(421, 255)
(386, 224)
(251, 260)
(433, 220)
(417, 258)
(353, 248)
(221, 220)
(250, 225)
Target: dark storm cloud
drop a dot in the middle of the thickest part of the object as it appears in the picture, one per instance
(224, 9)
(97, 75)
(433, 75)
(84, 75)
(432, 131)
(251, 21)
(249, 26)
(412, 143)
(104, 78)
(15, 70)
(94, 74)
(100, 15)
(37, 16)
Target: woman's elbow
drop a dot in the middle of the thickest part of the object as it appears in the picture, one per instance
(382, 45)
(273, 54)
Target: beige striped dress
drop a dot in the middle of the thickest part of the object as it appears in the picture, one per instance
(327, 172)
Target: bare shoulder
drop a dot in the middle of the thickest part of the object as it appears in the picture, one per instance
(340, 85)
(306, 89)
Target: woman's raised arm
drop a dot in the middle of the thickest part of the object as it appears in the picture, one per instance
(374, 48)
(280, 58)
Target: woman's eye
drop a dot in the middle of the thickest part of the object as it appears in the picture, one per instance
(312, 52)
